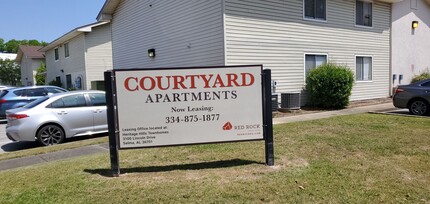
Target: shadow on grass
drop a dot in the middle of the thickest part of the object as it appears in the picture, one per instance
(195, 166)
(17, 146)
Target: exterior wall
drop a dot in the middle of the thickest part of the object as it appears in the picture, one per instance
(183, 33)
(28, 70)
(274, 33)
(74, 64)
(410, 48)
(98, 54)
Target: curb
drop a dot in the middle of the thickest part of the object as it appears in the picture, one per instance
(52, 156)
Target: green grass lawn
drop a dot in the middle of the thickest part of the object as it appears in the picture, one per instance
(81, 141)
(363, 158)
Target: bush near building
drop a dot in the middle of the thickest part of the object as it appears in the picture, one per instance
(421, 76)
(329, 86)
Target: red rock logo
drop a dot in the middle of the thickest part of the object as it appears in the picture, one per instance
(227, 126)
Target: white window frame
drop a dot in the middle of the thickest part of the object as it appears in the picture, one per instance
(56, 54)
(66, 50)
(313, 19)
(355, 69)
(355, 14)
(304, 62)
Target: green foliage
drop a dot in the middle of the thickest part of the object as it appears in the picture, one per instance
(12, 46)
(421, 76)
(329, 86)
(10, 72)
(55, 83)
(1, 45)
(41, 74)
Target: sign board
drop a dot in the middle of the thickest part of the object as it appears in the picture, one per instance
(163, 107)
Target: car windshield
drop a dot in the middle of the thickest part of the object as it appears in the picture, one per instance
(36, 102)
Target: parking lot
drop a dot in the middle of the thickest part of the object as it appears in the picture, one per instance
(7, 145)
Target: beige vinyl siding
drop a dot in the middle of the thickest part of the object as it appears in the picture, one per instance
(51, 69)
(35, 64)
(183, 33)
(29, 67)
(98, 54)
(274, 33)
(74, 64)
(25, 71)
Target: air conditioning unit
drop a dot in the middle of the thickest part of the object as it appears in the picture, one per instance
(290, 101)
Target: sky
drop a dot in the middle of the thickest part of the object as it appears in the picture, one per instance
(45, 20)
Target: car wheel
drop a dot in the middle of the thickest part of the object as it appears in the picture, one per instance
(419, 107)
(50, 135)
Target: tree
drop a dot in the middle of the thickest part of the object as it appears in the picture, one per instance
(12, 46)
(41, 74)
(1, 45)
(10, 72)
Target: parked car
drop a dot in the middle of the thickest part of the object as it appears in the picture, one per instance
(51, 119)
(18, 97)
(4, 88)
(415, 97)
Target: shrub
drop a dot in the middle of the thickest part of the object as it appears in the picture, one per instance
(329, 86)
(56, 83)
(40, 74)
(421, 76)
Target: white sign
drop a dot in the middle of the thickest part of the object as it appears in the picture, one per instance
(162, 107)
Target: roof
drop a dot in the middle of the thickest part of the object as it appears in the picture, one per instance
(71, 34)
(29, 52)
(107, 10)
(109, 7)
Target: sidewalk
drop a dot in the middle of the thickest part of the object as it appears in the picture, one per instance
(103, 148)
(327, 114)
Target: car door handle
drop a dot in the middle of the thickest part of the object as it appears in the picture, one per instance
(62, 113)
(97, 111)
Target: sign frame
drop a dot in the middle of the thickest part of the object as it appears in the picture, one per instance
(113, 120)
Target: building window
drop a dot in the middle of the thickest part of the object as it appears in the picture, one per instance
(315, 9)
(363, 69)
(312, 61)
(56, 54)
(69, 81)
(66, 50)
(363, 13)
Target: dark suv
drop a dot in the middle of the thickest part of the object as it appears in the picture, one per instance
(17, 97)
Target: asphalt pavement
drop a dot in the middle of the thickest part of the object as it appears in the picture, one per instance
(9, 146)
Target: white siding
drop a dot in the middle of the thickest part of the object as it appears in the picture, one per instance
(273, 33)
(410, 48)
(98, 54)
(183, 33)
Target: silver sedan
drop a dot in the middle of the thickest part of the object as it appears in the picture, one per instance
(51, 119)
